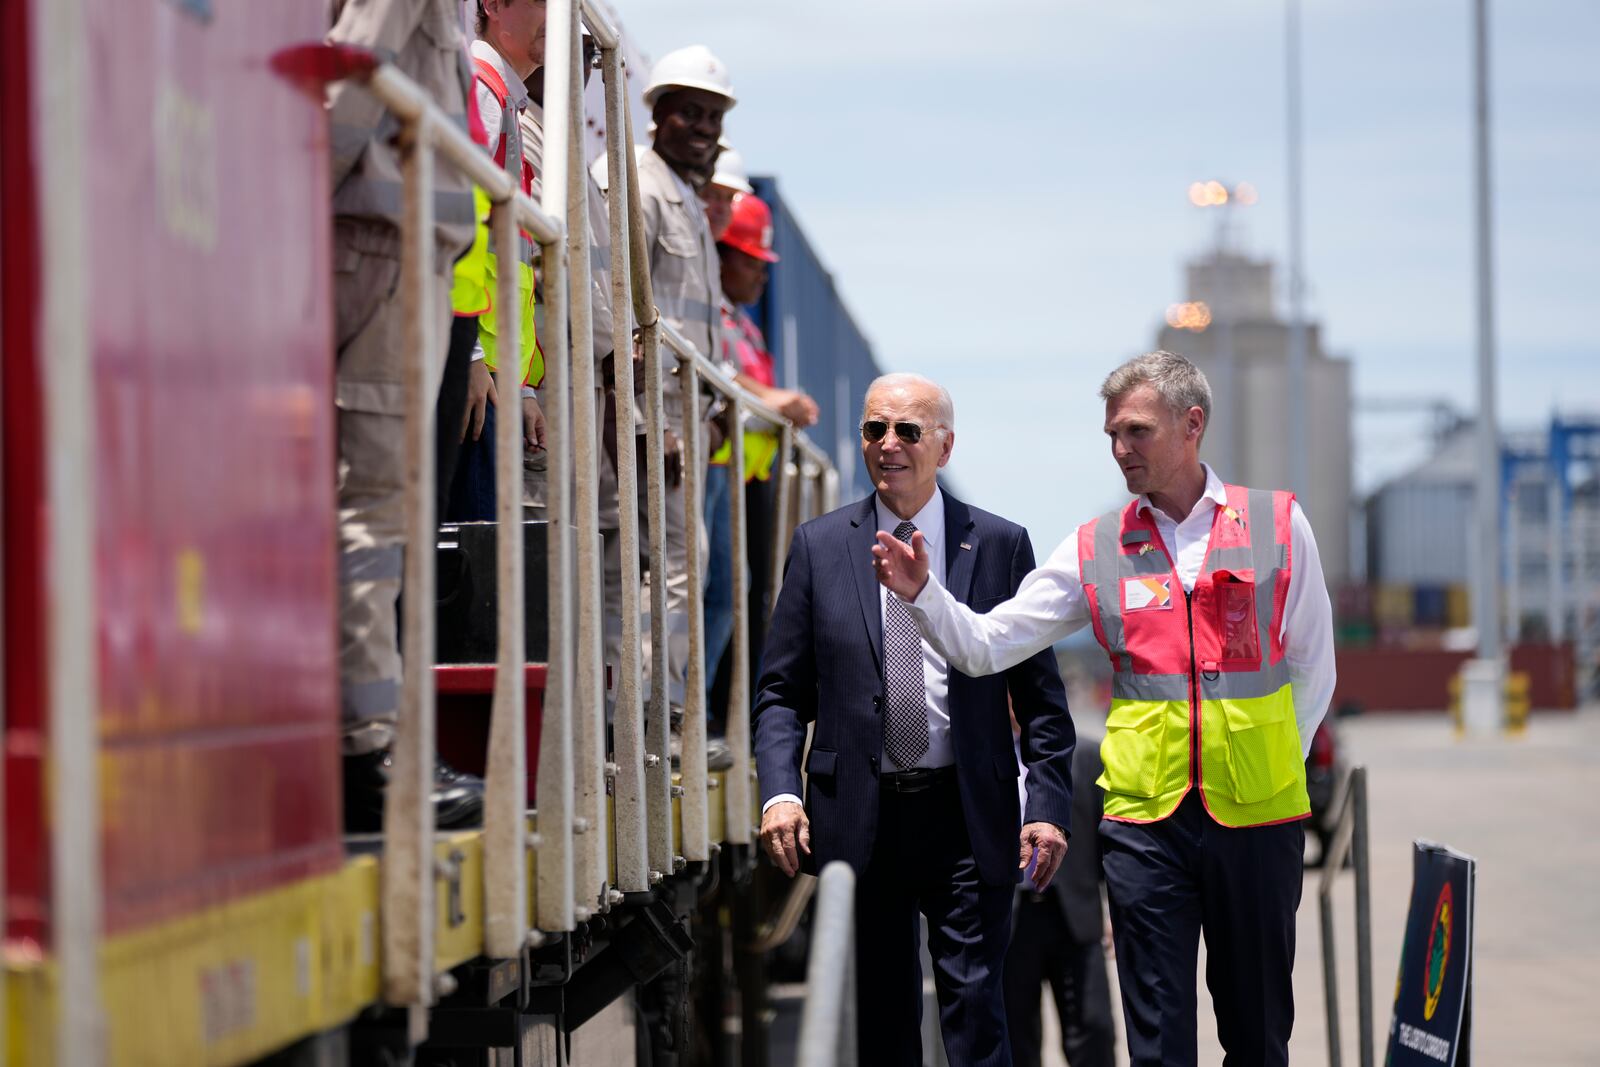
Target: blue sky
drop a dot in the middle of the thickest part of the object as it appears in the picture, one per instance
(1000, 191)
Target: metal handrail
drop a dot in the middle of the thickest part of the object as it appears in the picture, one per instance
(573, 841)
(828, 1021)
(1349, 840)
(408, 875)
(815, 466)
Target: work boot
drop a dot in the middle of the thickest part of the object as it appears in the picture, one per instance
(457, 797)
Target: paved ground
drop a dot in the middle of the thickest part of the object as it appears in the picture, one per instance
(1523, 809)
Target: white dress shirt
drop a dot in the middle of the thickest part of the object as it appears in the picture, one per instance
(935, 670)
(1050, 604)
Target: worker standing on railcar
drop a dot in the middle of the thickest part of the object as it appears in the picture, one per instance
(688, 94)
(1214, 705)
(423, 40)
(509, 47)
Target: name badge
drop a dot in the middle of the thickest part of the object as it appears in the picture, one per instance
(1146, 594)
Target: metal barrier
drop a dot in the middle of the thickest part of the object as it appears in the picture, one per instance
(1349, 841)
(828, 1022)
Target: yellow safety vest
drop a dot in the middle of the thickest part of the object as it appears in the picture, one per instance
(472, 294)
(1200, 687)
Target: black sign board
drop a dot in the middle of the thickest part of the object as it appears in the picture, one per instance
(1432, 1022)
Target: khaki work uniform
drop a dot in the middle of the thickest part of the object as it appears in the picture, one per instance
(535, 479)
(423, 39)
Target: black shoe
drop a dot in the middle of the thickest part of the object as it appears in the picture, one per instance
(365, 778)
(457, 797)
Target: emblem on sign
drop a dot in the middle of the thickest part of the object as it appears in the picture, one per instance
(1140, 594)
(1438, 952)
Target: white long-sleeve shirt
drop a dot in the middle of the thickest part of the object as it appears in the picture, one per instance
(1050, 604)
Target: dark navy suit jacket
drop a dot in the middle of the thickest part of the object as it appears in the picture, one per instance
(823, 663)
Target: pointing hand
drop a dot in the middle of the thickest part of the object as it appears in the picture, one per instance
(900, 567)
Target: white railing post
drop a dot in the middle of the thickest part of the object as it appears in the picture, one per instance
(658, 767)
(633, 868)
(780, 512)
(554, 899)
(407, 879)
(60, 78)
(692, 759)
(736, 791)
(591, 865)
(505, 864)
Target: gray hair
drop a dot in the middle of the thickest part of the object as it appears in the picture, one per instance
(1180, 383)
(944, 408)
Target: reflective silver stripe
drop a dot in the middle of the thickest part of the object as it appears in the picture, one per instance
(1235, 558)
(365, 701)
(526, 249)
(1264, 543)
(675, 306)
(1244, 685)
(347, 143)
(384, 563)
(1126, 685)
(1107, 564)
(361, 195)
(1240, 556)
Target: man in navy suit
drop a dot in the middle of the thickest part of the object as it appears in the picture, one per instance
(911, 777)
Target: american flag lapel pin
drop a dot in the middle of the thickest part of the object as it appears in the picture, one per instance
(966, 547)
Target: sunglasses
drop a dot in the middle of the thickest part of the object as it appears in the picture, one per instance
(908, 433)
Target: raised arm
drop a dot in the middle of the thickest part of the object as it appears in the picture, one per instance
(1048, 606)
(1308, 630)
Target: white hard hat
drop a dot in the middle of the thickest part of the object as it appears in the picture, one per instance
(693, 67)
(731, 172)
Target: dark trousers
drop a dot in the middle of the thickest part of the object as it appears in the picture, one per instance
(472, 491)
(1170, 880)
(1044, 950)
(452, 408)
(922, 861)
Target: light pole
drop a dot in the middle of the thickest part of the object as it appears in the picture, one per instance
(1483, 679)
(1299, 433)
(1209, 195)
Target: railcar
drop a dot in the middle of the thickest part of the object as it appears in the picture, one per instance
(177, 889)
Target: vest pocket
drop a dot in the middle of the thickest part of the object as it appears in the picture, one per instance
(1133, 750)
(1235, 594)
(1263, 748)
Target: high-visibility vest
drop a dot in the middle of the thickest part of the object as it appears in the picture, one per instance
(473, 287)
(760, 446)
(1200, 686)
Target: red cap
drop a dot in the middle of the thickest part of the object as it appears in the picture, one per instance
(751, 229)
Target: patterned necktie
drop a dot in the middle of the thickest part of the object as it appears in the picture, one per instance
(905, 719)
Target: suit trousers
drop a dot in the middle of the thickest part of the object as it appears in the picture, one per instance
(1168, 882)
(922, 861)
(1044, 950)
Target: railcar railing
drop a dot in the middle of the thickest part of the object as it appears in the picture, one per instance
(576, 838)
